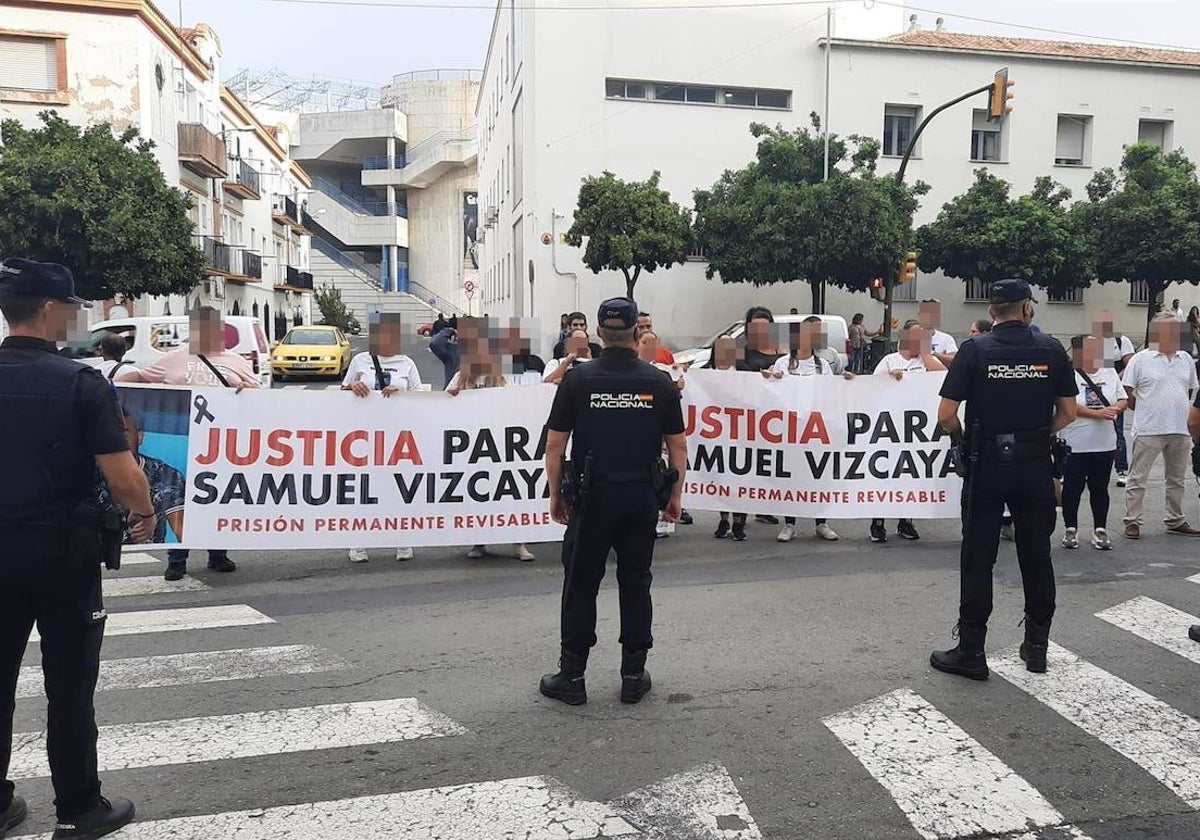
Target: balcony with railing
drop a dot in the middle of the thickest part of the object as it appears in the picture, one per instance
(243, 180)
(293, 279)
(285, 211)
(202, 152)
(252, 265)
(424, 163)
(359, 203)
(218, 257)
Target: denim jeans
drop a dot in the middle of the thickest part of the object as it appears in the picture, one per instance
(179, 556)
(1122, 453)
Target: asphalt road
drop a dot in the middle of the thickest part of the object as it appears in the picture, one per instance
(792, 690)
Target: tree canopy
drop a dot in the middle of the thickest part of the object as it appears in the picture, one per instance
(98, 204)
(1143, 223)
(983, 234)
(777, 219)
(334, 312)
(630, 226)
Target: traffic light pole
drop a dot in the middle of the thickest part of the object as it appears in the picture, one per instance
(890, 280)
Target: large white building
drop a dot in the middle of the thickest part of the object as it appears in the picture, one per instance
(122, 62)
(574, 92)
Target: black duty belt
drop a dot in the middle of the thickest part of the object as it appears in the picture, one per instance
(1017, 446)
(623, 477)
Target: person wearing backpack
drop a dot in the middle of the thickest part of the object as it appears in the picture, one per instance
(1093, 441)
(382, 369)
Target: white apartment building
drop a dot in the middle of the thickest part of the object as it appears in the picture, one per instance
(122, 62)
(569, 92)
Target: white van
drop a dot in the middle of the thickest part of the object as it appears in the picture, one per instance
(836, 333)
(149, 338)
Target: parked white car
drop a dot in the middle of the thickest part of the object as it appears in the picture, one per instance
(149, 338)
(836, 331)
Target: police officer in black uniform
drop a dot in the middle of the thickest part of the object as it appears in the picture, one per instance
(59, 420)
(1020, 389)
(618, 410)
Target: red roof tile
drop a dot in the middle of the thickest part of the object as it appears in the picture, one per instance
(1033, 46)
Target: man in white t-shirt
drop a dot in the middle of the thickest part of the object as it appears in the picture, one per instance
(384, 369)
(941, 344)
(914, 354)
(1118, 350)
(1160, 383)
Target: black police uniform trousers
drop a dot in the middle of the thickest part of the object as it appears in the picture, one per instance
(1027, 487)
(50, 575)
(620, 517)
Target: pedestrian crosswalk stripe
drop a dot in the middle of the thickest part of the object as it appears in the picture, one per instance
(945, 782)
(140, 558)
(245, 734)
(1194, 579)
(182, 618)
(1160, 739)
(700, 804)
(155, 585)
(197, 668)
(1165, 626)
(533, 808)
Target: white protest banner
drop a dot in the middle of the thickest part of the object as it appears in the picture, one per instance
(818, 446)
(302, 470)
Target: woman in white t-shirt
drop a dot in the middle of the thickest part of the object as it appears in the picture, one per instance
(482, 367)
(386, 370)
(1093, 441)
(802, 361)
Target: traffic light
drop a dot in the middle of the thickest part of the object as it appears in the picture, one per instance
(908, 268)
(877, 290)
(999, 96)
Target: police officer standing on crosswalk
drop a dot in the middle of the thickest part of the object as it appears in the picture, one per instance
(1020, 390)
(59, 420)
(617, 410)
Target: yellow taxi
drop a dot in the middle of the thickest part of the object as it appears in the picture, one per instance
(315, 350)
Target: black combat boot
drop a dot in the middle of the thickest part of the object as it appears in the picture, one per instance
(967, 658)
(567, 685)
(635, 679)
(104, 819)
(1033, 649)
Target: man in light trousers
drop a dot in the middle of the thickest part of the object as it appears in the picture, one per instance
(1160, 381)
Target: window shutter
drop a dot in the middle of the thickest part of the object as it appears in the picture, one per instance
(28, 64)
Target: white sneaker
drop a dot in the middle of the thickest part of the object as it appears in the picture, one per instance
(523, 553)
(662, 529)
(404, 554)
(787, 533)
(1122, 479)
(475, 553)
(359, 555)
(1070, 538)
(1100, 540)
(826, 533)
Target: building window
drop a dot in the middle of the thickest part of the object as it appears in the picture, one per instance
(905, 291)
(728, 97)
(1139, 293)
(985, 138)
(1073, 294)
(899, 123)
(978, 291)
(32, 64)
(1074, 144)
(1156, 133)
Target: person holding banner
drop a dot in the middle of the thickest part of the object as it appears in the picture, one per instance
(805, 339)
(59, 423)
(914, 354)
(206, 362)
(382, 369)
(482, 367)
(577, 349)
(1020, 390)
(617, 412)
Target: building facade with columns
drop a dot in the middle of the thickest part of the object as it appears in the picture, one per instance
(588, 90)
(123, 63)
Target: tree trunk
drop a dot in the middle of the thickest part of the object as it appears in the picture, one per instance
(631, 281)
(818, 296)
(1154, 288)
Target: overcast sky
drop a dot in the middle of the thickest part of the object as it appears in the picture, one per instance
(371, 44)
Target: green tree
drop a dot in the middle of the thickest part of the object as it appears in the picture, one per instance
(630, 226)
(778, 219)
(1144, 223)
(328, 299)
(99, 205)
(983, 234)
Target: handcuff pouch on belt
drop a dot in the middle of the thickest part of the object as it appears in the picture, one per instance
(110, 526)
(662, 479)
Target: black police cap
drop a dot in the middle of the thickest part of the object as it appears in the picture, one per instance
(618, 314)
(1011, 291)
(27, 278)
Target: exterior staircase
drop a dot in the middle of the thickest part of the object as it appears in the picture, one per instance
(361, 289)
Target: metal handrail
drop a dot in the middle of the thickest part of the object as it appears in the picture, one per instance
(417, 154)
(439, 75)
(364, 271)
(376, 208)
(424, 295)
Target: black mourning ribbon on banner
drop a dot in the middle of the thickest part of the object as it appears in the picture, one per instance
(202, 412)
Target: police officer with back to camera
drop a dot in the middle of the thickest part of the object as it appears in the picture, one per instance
(617, 410)
(59, 421)
(1020, 390)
